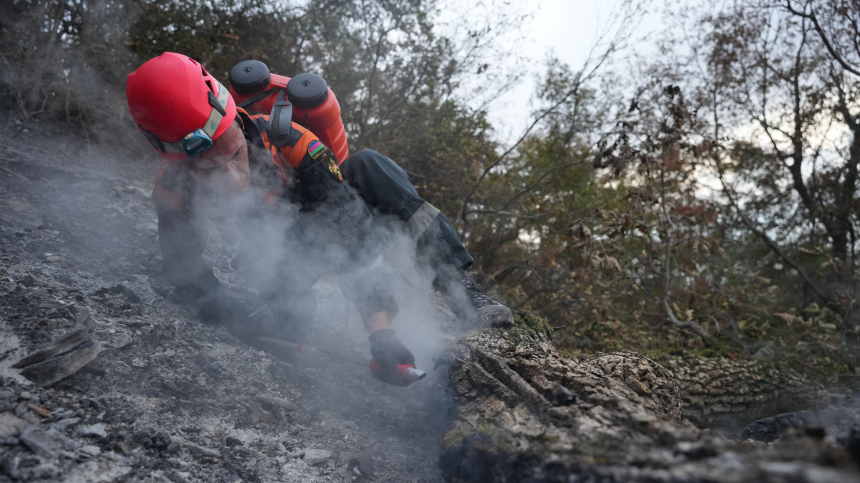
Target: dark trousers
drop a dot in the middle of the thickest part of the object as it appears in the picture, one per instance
(386, 187)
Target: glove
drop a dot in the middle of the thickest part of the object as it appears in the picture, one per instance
(388, 351)
(223, 310)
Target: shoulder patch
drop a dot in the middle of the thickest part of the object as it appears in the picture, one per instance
(323, 155)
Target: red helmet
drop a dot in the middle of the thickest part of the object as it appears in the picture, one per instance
(179, 107)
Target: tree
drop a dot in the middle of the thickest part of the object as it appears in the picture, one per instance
(394, 73)
(777, 88)
(60, 59)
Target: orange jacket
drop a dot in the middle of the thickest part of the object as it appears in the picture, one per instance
(304, 147)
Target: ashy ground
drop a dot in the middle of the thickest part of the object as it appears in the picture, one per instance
(168, 398)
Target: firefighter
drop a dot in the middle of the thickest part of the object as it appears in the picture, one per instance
(295, 213)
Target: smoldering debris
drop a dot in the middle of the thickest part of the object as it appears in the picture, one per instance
(168, 397)
(362, 465)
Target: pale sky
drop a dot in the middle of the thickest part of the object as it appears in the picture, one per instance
(568, 29)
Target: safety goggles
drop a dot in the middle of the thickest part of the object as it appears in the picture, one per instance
(198, 140)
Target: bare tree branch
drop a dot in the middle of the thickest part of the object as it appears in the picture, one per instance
(505, 213)
(629, 12)
(528, 188)
(514, 146)
(764, 237)
(814, 19)
(667, 225)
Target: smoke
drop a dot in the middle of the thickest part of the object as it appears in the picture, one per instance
(280, 250)
(283, 251)
(99, 205)
(312, 268)
(99, 219)
(61, 63)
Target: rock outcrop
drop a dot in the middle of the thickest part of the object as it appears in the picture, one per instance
(524, 412)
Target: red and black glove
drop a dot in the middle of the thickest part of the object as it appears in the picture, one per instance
(389, 352)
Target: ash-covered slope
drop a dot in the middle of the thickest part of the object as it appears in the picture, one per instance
(170, 399)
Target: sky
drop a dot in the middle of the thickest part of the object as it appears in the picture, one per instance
(565, 28)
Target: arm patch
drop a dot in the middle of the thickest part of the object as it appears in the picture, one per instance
(320, 153)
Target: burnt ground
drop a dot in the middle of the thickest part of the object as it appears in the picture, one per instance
(171, 399)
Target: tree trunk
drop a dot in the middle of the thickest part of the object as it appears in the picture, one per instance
(526, 413)
(727, 395)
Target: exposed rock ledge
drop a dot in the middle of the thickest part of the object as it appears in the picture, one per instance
(728, 394)
(526, 413)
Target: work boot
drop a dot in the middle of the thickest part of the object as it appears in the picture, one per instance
(490, 312)
(471, 305)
